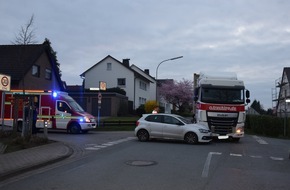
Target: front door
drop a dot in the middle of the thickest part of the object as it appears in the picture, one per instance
(172, 128)
(63, 114)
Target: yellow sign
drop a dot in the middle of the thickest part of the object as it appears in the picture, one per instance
(103, 85)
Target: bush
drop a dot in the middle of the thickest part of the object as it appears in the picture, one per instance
(150, 105)
(266, 125)
(140, 110)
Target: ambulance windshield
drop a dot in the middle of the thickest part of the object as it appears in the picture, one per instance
(73, 104)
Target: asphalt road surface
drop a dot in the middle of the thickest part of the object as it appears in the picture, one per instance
(117, 160)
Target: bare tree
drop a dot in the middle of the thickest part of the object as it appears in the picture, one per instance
(26, 34)
(25, 37)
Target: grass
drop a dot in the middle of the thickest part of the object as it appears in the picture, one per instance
(14, 142)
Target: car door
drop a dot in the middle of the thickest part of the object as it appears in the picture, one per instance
(155, 125)
(172, 128)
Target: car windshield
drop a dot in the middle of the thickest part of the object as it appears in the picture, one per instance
(184, 120)
(222, 95)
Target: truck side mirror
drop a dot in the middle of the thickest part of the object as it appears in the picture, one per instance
(247, 94)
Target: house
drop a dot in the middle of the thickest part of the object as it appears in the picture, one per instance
(283, 85)
(138, 84)
(30, 67)
(251, 111)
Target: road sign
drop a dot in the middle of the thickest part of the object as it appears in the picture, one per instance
(5, 82)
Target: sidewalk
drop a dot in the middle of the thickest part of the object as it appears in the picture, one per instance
(20, 161)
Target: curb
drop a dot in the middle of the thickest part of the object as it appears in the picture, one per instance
(22, 170)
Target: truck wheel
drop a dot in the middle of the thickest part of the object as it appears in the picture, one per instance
(75, 128)
(191, 138)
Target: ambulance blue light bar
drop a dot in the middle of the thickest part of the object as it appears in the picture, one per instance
(54, 94)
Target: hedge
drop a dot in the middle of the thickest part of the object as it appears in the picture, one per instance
(265, 125)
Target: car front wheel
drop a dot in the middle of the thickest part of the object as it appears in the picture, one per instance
(143, 135)
(191, 138)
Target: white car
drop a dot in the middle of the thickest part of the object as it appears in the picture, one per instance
(171, 126)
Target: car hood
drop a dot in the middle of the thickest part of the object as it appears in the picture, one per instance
(198, 126)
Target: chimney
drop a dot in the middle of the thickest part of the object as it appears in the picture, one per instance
(146, 71)
(126, 62)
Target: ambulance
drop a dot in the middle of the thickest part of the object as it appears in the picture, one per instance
(56, 110)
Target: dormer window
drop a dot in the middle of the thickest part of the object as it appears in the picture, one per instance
(36, 70)
(48, 74)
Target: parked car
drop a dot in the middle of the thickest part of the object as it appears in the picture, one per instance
(171, 126)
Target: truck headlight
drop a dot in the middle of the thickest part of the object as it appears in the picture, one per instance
(239, 130)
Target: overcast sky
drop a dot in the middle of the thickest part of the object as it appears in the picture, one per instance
(248, 37)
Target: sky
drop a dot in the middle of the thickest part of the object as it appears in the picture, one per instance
(248, 37)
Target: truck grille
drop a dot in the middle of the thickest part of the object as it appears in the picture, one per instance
(222, 126)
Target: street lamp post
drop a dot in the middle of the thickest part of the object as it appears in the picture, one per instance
(158, 67)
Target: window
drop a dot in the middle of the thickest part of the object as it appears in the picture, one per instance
(48, 74)
(171, 120)
(35, 71)
(121, 82)
(63, 107)
(143, 85)
(109, 66)
(142, 101)
(154, 118)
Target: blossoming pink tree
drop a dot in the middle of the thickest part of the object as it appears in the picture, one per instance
(179, 94)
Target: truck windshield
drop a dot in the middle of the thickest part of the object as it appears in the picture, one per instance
(73, 104)
(223, 95)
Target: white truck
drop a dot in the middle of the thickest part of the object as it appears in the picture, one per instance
(219, 104)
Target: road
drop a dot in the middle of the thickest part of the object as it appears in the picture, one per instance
(117, 160)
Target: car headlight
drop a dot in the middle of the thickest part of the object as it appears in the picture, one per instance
(204, 130)
(85, 119)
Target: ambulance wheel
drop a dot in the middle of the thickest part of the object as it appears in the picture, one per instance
(74, 128)
(19, 126)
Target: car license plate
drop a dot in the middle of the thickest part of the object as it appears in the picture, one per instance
(223, 137)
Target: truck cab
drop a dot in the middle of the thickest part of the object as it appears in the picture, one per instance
(220, 105)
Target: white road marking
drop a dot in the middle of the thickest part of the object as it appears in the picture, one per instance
(259, 140)
(209, 156)
(238, 155)
(105, 145)
(207, 163)
(276, 158)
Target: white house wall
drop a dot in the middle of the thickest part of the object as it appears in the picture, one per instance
(141, 93)
(100, 73)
